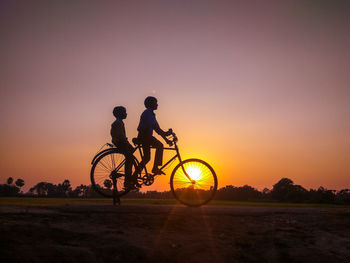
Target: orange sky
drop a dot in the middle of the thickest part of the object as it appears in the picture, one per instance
(260, 91)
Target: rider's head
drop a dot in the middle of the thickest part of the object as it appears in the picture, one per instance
(151, 103)
(119, 112)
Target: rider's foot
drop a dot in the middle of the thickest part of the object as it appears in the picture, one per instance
(137, 185)
(127, 184)
(131, 185)
(156, 171)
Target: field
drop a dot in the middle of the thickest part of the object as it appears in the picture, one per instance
(92, 230)
(29, 201)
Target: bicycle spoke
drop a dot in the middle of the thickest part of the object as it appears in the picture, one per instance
(101, 173)
(102, 163)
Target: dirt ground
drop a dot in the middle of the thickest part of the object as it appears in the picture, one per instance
(164, 233)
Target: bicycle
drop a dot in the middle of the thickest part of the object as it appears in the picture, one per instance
(193, 182)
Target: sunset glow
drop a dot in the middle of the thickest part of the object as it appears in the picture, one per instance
(259, 91)
(201, 176)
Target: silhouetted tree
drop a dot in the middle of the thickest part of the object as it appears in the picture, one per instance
(40, 189)
(83, 189)
(45, 189)
(79, 191)
(64, 189)
(284, 190)
(76, 192)
(243, 193)
(90, 191)
(9, 180)
(266, 191)
(343, 196)
(52, 190)
(321, 195)
(8, 190)
(266, 194)
(19, 182)
(281, 189)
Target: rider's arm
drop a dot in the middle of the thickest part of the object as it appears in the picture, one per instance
(163, 133)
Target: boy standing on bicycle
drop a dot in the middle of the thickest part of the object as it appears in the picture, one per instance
(120, 141)
(147, 124)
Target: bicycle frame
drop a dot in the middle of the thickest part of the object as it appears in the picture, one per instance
(108, 165)
(177, 155)
(176, 148)
(139, 146)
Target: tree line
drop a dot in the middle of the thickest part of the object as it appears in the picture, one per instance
(283, 191)
(45, 189)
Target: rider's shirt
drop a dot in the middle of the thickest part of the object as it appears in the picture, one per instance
(147, 123)
(118, 132)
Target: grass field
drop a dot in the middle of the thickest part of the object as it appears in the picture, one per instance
(35, 201)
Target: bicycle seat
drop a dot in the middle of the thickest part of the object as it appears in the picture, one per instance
(136, 141)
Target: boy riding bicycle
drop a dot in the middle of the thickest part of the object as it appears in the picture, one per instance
(120, 140)
(147, 124)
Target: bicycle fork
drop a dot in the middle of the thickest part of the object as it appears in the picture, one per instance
(182, 167)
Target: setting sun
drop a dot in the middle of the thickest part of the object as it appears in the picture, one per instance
(199, 171)
(194, 173)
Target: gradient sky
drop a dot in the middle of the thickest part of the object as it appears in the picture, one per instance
(259, 89)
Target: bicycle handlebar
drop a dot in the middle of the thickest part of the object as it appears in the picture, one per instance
(174, 137)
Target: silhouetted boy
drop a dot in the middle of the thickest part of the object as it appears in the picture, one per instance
(147, 124)
(120, 141)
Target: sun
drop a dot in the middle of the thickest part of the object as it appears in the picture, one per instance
(194, 172)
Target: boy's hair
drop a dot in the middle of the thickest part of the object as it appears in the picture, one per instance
(149, 101)
(118, 111)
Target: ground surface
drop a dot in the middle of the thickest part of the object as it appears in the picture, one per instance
(173, 233)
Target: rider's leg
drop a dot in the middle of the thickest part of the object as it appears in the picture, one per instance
(158, 160)
(127, 149)
(130, 179)
(128, 162)
(146, 148)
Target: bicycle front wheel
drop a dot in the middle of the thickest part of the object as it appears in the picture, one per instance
(197, 190)
(108, 167)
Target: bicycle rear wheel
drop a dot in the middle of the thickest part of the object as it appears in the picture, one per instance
(198, 191)
(108, 167)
